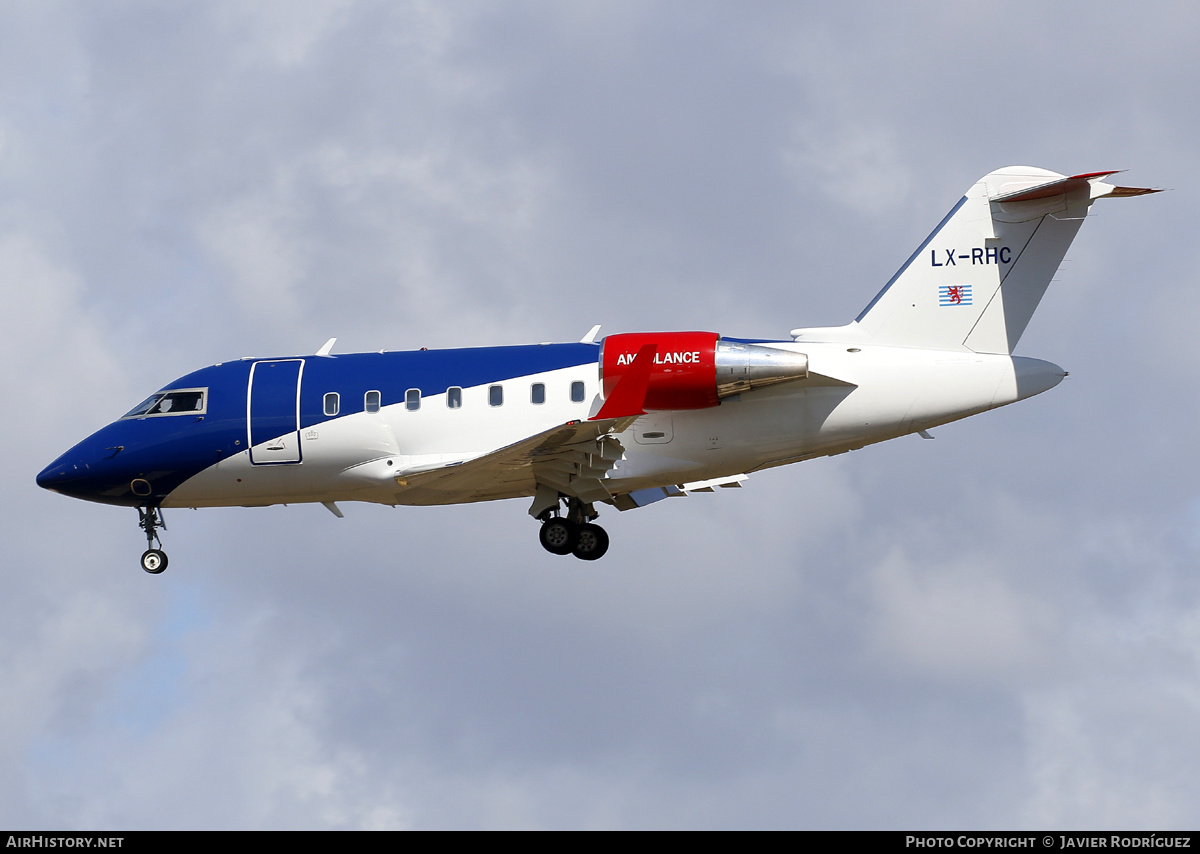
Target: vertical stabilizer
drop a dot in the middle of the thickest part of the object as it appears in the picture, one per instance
(977, 279)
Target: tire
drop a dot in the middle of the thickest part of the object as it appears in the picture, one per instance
(592, 542)
(559, 536)
(154, 561)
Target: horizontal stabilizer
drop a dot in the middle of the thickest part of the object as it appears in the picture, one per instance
(1121, 192)
(1049, 188)
(1067, 185)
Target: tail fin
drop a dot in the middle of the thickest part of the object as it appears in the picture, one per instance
(977, 279)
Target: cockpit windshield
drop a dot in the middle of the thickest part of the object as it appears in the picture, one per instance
(182, 401)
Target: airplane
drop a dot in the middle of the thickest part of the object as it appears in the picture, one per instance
(627, 421)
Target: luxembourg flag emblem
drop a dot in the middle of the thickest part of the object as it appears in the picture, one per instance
(954, 294)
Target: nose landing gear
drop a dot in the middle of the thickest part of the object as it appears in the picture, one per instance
(154, 559)
(574, 533)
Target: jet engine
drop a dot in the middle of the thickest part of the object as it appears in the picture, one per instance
(695, 370)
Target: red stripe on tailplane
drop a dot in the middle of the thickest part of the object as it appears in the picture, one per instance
(1056, 187)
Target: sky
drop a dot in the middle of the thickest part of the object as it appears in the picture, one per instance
(996, 629)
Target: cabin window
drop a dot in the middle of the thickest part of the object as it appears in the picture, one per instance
(537, 393)
(412, 399)
(495, 395)
(454, 397)
(371, 401)
(577, 391)
(182, 401)
(331, 403)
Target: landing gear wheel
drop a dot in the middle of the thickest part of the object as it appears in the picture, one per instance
(154, 561)
(559, 535)
(592, 543)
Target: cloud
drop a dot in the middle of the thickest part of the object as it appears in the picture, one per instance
(959, 621)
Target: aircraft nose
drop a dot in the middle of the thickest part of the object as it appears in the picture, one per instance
(59, 474)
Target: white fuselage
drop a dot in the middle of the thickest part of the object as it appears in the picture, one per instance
(855, 395)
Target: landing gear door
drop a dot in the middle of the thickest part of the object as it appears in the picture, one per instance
(273, 411)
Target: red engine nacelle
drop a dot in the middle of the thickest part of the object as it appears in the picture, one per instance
(684, 375)
(693, 370)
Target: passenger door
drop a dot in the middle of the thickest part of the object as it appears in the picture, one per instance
(273, 411)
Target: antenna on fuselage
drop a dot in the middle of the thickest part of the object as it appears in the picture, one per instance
(326, 347)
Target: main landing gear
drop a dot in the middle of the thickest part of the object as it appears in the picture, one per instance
(154, 560)
(574, 533)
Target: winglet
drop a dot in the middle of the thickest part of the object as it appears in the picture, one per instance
(590, 338)
(628, 397)
(327, 347)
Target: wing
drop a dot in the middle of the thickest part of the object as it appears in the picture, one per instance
(571, 459)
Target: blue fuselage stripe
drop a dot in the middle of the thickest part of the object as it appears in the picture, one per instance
(169, 450)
